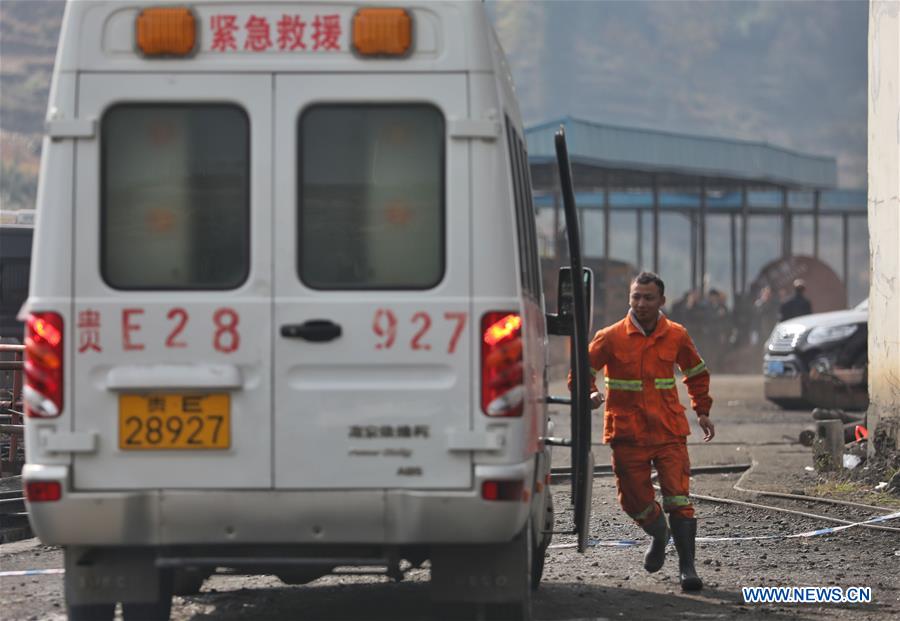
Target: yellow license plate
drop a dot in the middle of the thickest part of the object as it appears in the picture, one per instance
(174, 421)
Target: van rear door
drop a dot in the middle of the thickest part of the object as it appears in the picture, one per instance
(374, 336)
(171, 341)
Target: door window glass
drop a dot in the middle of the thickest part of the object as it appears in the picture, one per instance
(371, 197)
(525, 214)
(175, 196)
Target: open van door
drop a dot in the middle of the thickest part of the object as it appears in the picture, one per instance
(582, 457)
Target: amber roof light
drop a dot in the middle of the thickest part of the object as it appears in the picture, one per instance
(166, 31)
(382, 32)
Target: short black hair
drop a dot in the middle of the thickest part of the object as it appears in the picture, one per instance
(645, 278)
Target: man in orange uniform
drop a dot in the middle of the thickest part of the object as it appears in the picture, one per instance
(645, 424)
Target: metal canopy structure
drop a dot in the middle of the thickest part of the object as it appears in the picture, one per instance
(633, 156)
(651, 173)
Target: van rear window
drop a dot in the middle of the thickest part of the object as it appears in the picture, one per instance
(371, 197)
(175, 196)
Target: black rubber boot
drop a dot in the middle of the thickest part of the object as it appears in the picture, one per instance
(656, 553)
(684, 531)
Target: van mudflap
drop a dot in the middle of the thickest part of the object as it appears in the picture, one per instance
(485, 574)
(104, 575)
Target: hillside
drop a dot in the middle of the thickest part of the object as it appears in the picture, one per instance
(28, 34)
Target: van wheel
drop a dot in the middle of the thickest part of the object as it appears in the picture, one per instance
(512, 612)
(155, 611)
(302, 575)
(91, 612)
(188, 581)
(160, 610)
(457, 611)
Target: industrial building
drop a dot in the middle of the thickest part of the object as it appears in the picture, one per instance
(706, 213)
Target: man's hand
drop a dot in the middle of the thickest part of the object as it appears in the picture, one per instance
(709, 430)
(596, 400)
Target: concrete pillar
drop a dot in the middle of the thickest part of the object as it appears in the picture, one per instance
(884, 225)
(828, 446)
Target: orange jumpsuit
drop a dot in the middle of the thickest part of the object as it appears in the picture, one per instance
(644, 421)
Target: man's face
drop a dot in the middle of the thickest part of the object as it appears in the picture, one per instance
(646, 301)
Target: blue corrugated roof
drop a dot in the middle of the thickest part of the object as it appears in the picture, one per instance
(610, 146)
(831, 200)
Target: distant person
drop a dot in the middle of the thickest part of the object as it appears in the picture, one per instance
(718, 305)
(765, 309)
(797, 304)
(679, 308)
(719, 326)
(699, 321)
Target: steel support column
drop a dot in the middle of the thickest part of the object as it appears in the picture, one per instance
(693, 221)
(745, 223)
(786, 231)
(606, 220)
(734, 274)
(845, 221)
(702, 234)
(655, 224)
(640, 238)
(816, 198)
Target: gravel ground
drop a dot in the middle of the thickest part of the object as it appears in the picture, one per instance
(606, 582)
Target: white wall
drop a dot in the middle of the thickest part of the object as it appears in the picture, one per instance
(884, 217)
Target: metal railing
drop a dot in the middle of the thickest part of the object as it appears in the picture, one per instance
(11, 408)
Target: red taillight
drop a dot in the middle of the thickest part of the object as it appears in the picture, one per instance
(503, 490)
(503, 328)
(43, 491)
(502, 389)
(43, 365)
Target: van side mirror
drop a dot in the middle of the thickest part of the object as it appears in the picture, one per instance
(563, 322)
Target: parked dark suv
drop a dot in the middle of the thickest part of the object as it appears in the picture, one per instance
(819, 360)
(15, 260)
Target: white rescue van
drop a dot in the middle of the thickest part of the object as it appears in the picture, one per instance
(285, 307)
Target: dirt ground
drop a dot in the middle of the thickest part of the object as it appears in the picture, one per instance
(607, 582)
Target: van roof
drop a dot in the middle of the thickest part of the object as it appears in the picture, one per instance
(447, 36)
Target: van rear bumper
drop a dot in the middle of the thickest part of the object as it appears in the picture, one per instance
(380, 516)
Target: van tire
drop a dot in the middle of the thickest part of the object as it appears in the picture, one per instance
(91, 612)
(511, 612)
(160, 610)
(156, 611)
(302, 575)
(188, 581)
